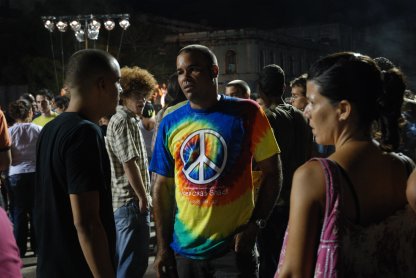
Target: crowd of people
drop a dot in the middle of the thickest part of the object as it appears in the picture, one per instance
(239, 184)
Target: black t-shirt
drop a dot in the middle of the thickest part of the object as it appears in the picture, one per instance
(71, 159)
(294, 137)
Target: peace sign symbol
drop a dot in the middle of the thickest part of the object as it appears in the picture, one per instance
(204, 155)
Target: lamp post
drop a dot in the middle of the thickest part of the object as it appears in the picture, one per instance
(85, 28)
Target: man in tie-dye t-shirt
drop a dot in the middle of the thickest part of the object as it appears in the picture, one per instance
(206, 216)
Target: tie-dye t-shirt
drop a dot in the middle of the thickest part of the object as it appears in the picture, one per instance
(209, 153)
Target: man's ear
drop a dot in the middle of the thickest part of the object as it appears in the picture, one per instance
(100, 84)
(214, 71)
(344, 110)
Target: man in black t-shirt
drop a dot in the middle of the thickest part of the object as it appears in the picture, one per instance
(295, 141)
(73, 212)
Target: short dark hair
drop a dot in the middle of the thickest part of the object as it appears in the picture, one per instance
(61, 102)
(203, 50)
(44, 92)
(271, 80)
(240, 84)
(85, 65)
(299, 81)
(29, 97)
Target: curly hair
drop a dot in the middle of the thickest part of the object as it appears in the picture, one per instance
(137, 80)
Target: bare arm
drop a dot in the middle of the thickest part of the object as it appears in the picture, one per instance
(306, 200)
(163, 208)
(91, 234)
(411, 190)
(135, 179)
(268, 192)
(5, 160)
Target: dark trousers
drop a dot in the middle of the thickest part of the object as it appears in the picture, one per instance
(229, 265)
(270, 241)
(21, 188)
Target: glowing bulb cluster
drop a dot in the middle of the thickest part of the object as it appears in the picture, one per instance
(91, 27)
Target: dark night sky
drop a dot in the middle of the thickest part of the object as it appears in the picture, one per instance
(268, 14)
(250, 13)
(220, 14)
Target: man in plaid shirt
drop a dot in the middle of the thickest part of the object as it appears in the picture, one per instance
(130, 180)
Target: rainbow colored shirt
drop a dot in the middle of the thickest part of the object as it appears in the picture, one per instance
(209, 152)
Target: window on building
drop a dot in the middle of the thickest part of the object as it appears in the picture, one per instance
(230, 61)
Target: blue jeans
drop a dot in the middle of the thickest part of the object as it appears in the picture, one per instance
(22, 197)
(132, 240)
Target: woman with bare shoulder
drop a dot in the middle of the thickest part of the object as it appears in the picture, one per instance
(349, 215)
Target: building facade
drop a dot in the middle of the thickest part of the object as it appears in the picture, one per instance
(242, 53)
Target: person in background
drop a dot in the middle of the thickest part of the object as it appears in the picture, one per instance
(238, 88)
(299, 100)
(60, 104)
(260, 102)
(147, 127)
(24, 135)
(10, 262)
(65, 92)
(350, 209)
(103, 124)
(130, 179)
(43, 101)
(298, 92)
(5, 154)
(29, 97)
(174, 96)
(74, 219)
(294, 137)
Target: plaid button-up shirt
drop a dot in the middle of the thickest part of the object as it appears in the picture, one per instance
(125, 142)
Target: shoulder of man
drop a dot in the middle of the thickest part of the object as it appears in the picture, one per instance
(119, 118)
(287, 111)
(171, 109)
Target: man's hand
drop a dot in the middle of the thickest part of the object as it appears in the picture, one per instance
(91, 233)
(163, 209)
(132, 170)
(165, 264)
(244, 241)
(143, 205)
